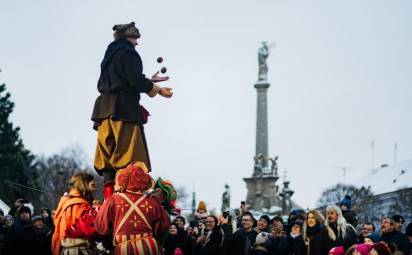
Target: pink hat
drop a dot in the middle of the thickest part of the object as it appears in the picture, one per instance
(363, 249)
(337, 251)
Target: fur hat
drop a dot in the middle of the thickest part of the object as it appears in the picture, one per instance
(337, 250)
(346, 201)
(125, 30)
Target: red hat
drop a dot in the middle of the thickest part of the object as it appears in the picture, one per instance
(133, 178)
(337, 251)
(364, 248)
(382, 248)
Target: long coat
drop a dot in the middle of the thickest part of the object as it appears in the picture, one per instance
(120, 83)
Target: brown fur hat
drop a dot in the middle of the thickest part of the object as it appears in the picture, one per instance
(125, 30)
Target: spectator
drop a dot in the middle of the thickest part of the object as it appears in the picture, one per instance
(180, 222)
(399, 221)
(18, 230)
(5, 227)
(318, 236)
(48, 221)
(242, 240)
(263, 224)
(380, 248)
(391, 236)
(36, 237)
(348, 213)
(210, 241)
(177, 240)
(279, 244)
(344, 232)
(368, 234)
(201, 212)
(296, 244)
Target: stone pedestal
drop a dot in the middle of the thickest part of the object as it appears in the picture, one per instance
(261, 193)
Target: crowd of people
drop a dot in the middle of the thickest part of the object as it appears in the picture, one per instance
(302, 233)
(234, 233)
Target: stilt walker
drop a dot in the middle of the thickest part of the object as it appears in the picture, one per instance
(118, 116)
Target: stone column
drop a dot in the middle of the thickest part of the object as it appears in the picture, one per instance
(262, 121)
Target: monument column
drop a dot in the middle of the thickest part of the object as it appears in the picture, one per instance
(262, 122)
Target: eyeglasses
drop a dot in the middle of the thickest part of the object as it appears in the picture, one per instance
(209, 221)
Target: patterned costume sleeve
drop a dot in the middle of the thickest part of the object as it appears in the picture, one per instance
(104, 219)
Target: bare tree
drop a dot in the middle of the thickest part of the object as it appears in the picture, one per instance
(53, 175)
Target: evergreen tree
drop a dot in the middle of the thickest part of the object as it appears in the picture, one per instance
(15, 160)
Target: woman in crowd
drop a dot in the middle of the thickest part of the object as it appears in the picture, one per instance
(177, 240)
(318, 237)
(210, 240)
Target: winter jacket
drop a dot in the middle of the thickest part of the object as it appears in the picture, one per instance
(296, 245)
(318, 241)
(181, 240)
(213, 245)
(398, 239)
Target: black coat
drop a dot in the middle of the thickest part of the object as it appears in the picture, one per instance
(319, 242)
(120, 83)
(213, 246)
(399, 239)
(279, 245)
(296, 245)
(181, 240)
(350, 239)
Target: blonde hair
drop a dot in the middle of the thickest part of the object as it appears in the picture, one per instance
(80, 181)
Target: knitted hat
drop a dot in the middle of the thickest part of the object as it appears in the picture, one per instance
(346, 201)
(298, 222)
(266, 218)
(201, 206)
(277, 218)
(167, 187)
(180, 217)
(125, 30)
(398, 219)
(363, 249)
(382, 248)
(337, 251)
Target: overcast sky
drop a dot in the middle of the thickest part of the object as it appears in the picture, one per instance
(340, 77)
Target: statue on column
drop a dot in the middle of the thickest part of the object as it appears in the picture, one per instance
(274, 165)
(226, 198)
(258, 164)
(263, 54)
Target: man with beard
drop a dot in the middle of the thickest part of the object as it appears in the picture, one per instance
(72, 206)
(391, 236)
(117, 114)
(345, 233)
